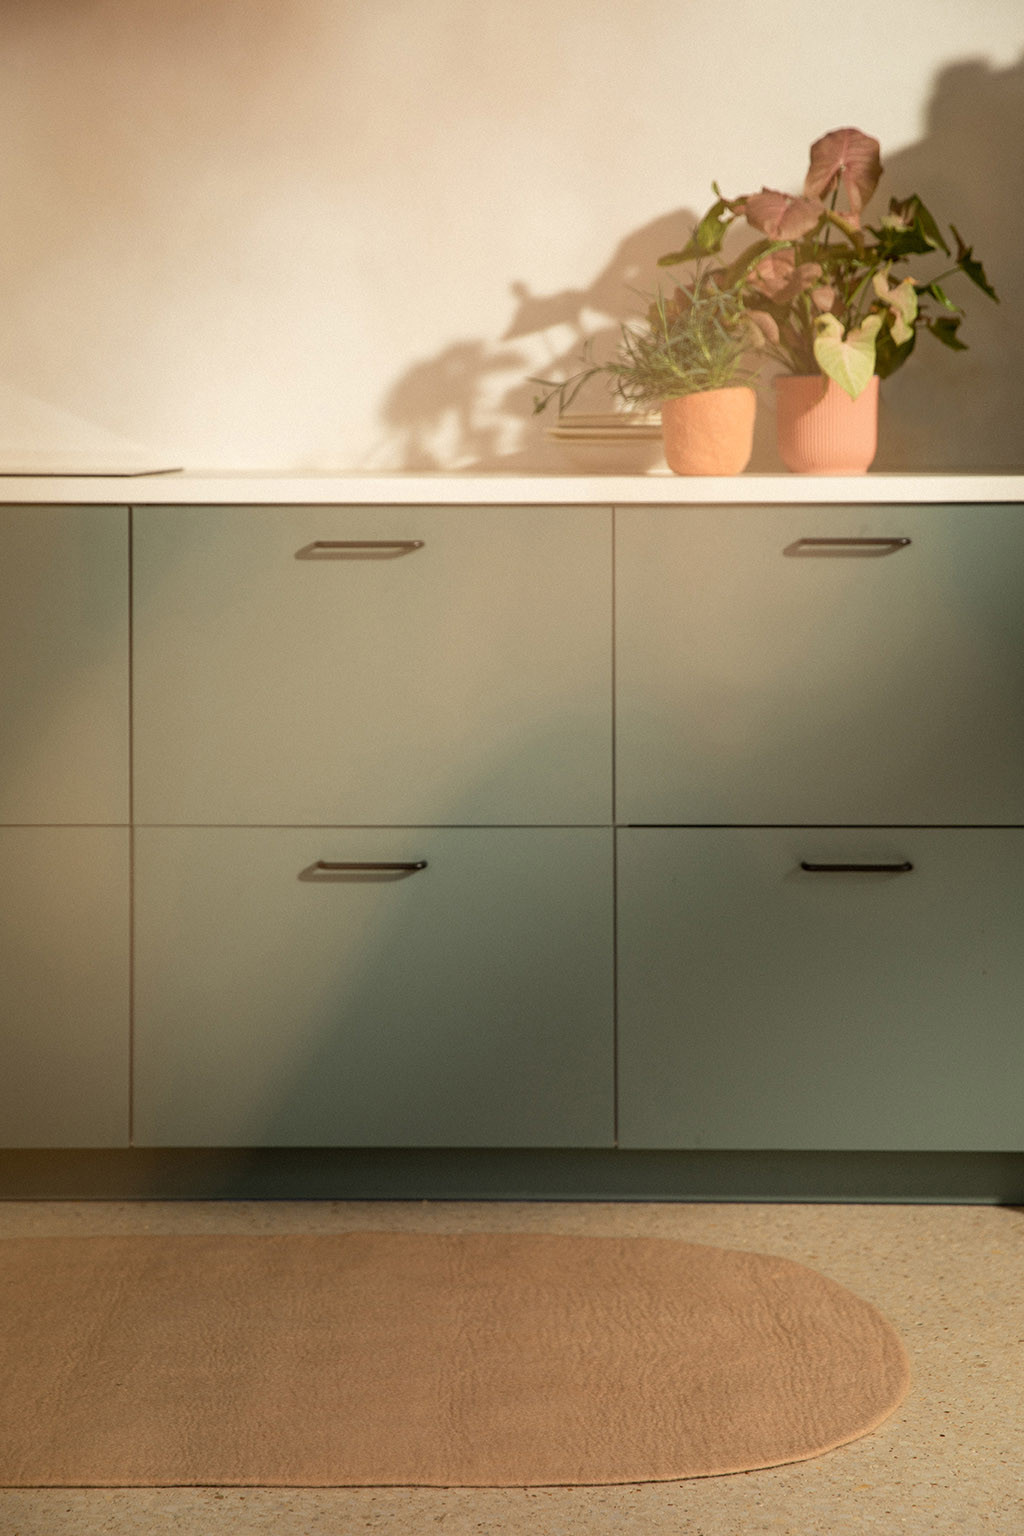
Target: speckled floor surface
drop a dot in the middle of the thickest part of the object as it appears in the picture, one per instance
(947, 1463)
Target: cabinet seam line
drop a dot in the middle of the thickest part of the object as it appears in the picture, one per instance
(615, 855)
(131, 830)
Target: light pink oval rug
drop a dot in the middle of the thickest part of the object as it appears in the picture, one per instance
(405, 1358)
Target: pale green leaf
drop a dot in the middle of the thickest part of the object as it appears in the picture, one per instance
(849, 359)
(902, 305)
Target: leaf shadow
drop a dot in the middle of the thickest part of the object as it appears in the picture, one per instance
(455, 409)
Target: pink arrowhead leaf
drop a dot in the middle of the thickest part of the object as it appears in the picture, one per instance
(778, 277)
(780, 215)
(848, 157)
(763, 329)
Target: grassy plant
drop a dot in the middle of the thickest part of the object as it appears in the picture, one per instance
(699, 338)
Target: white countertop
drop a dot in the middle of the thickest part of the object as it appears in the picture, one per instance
(455, 488)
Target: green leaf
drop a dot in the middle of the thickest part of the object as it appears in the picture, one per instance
(945, 329)
(688, 253)
(909, 230)
(972, 268)
(925, 224)
(939, 294)
(706, 239)
(850, 359)
(889, 356)
(896, 244)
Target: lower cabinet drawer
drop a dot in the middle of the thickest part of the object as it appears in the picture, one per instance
(64, 966)
(766, 1005)
(464, 1003)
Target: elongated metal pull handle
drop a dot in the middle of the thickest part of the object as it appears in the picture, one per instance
(402, 544)
(360, 549)
(381, 866)
(327, 870)
(847, 546)
(902, 868)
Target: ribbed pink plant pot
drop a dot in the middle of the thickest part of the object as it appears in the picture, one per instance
(710, 433)
(821, 431)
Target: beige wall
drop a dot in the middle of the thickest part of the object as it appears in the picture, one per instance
(342, 233)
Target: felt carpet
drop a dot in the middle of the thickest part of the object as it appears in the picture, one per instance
(443, 1360)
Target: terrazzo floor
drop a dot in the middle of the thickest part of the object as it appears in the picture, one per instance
(947, 1463)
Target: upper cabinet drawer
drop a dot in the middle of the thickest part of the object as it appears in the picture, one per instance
(64, 680)
(767, 678)
(446, 666)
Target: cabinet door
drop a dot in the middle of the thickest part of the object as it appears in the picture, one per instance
(762, 1005)
(457, 671)
(64, 945)
(64, 678)
(467, 1003)
(767, 679)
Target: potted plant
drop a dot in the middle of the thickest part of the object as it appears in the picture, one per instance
(690, 357)
(828, 295)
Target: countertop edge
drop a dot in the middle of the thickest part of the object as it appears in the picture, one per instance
(265, 488)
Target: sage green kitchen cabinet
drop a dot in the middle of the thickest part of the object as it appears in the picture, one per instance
(64, 864)
(381, 895)
(64, 677)
(464, 1003)
(64, 967)
(372, 665)
(767, 677)
(766, 1005)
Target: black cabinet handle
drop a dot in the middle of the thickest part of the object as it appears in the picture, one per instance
(857, 869)
(365, 549)
(384, 866)
(847, 546)
(387, 869)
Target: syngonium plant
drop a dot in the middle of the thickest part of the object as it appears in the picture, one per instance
(822, 288)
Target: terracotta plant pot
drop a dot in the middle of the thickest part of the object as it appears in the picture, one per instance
(710, 433)
(821, 431)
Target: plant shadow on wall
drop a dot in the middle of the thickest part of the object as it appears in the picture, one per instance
(458, 409)
(963, 411)
(470, 406)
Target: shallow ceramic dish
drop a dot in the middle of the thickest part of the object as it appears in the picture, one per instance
(611, 453)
